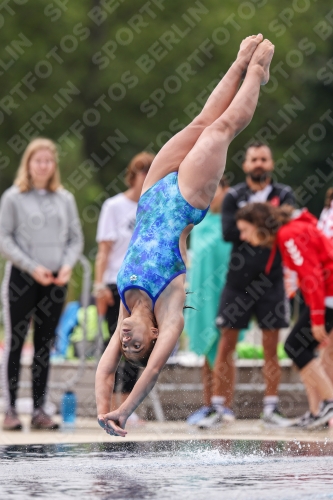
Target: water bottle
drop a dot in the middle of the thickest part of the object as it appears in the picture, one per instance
(68, 409)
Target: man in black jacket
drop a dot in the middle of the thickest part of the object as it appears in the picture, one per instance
(249, 292)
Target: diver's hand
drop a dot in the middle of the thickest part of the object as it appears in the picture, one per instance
(113, 423)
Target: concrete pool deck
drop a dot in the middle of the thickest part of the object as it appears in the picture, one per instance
(87, 431)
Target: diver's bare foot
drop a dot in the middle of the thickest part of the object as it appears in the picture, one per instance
(261, 59)
(246, 50)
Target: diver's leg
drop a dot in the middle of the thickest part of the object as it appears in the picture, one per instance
(174, 151)
(204, 165)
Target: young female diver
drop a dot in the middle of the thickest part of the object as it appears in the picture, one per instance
(307, 251)
(178, 189)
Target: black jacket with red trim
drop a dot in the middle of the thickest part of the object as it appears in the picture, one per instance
(247, 263)
(306, 250)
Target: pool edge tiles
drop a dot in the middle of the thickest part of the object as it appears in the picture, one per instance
(87, 431)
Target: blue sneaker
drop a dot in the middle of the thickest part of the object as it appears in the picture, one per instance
(228, 415)
(195, 417)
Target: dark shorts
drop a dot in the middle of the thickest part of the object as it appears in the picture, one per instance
(300, 344)
(269, 306)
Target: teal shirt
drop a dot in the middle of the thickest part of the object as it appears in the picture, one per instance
(209, 260)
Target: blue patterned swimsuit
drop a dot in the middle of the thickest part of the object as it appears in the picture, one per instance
(153, 257)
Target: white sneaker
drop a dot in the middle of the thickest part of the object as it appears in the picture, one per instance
(303, 421)
(275, 419)
(323, 417)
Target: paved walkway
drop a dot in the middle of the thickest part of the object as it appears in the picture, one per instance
(87, 431)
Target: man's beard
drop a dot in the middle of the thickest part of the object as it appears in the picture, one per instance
(259, 175)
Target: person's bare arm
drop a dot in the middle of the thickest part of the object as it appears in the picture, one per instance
(167, 339)
(104, 249)
(107, 366)
(165, 344)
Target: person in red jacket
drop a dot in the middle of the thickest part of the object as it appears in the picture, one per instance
(307, 251)
(325, 224)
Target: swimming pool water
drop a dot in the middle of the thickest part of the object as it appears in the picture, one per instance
(169, 470)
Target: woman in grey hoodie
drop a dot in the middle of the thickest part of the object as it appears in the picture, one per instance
(41, 237)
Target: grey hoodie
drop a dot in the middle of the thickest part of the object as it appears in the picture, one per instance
(39, 227)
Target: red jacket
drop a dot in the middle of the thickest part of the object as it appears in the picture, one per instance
(306, 250)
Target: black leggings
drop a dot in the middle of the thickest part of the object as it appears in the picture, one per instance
(300, 344)
(24, 300)
(126, 374)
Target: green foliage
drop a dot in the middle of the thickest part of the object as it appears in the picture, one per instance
(245, 350)
(99, 61)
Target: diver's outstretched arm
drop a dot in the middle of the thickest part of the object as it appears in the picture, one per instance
(106, 370)
(167, 339)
